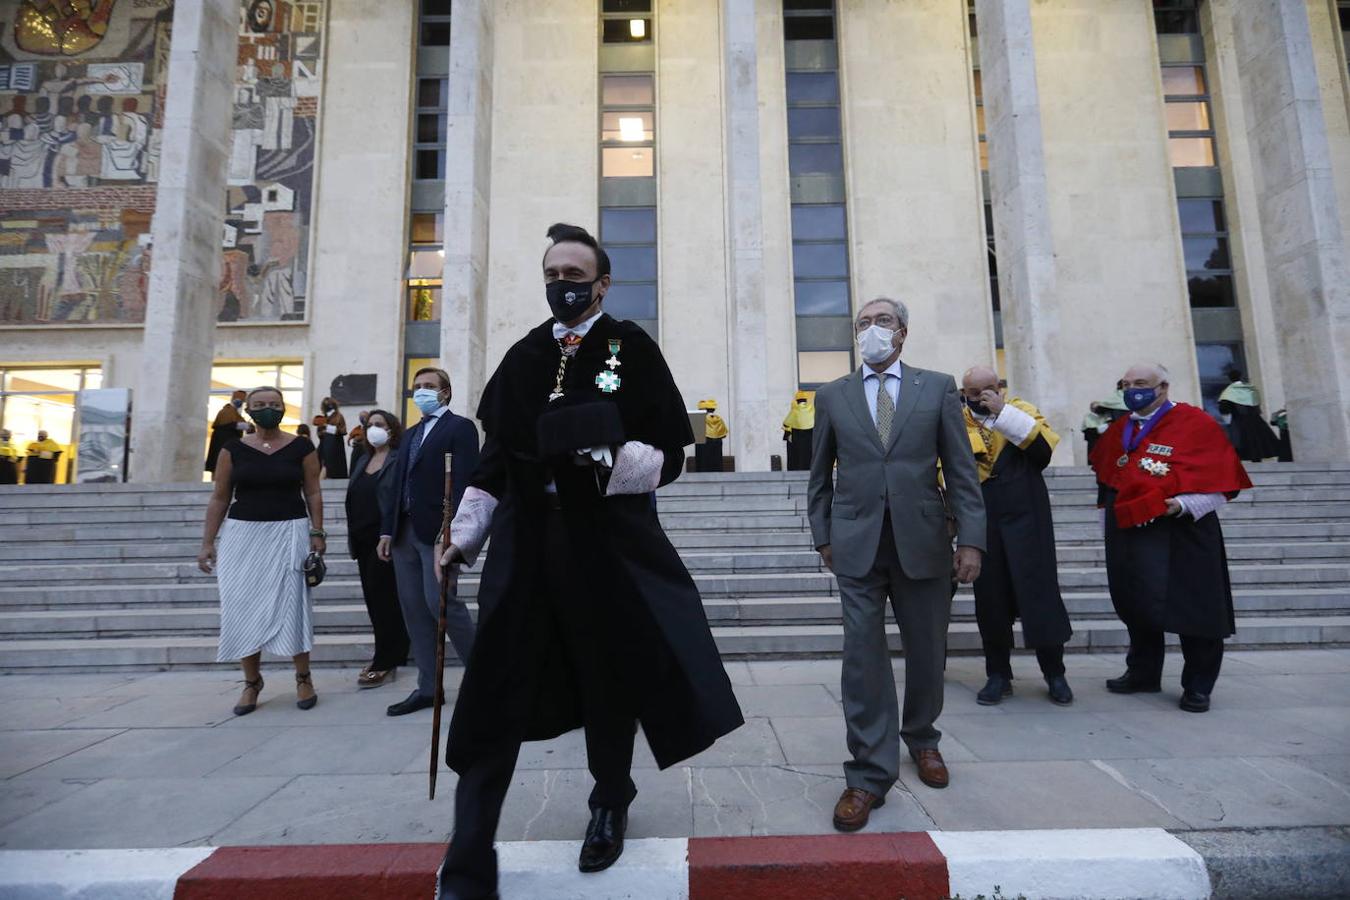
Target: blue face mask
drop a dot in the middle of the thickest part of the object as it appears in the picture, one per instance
(427, 400)
(1140, 398)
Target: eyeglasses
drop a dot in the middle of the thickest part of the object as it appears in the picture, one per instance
(885, 320)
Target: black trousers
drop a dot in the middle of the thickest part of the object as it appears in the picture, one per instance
(1203, 658)
(998, 659)
(386, 617)
(470, 865)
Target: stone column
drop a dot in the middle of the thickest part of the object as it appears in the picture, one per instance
(1020, 198)
(468, 172)
(168, 434)
(1300, 224)
(751, 420)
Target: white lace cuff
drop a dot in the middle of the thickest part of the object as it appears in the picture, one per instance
(1200, 505)
(1015, 424)
(473, 521)
(637, 469)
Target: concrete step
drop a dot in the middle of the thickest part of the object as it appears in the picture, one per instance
(347, 617)
(725, 575)
(735, 642)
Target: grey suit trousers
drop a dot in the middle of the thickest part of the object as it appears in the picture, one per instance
(420, 597)
(922, 610)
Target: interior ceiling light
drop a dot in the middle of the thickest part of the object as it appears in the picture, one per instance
(630, 128)
(637, 28)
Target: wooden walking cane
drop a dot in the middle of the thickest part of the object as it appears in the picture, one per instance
(447, 514)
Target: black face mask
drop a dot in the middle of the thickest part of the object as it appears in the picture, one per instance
(976, 407)
(568, 299)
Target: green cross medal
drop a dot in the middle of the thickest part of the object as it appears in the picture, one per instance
(609, 381)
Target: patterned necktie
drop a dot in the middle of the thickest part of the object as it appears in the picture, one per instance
(419, 433)
(885, 410)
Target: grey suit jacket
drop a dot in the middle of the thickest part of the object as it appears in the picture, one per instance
(846, 507)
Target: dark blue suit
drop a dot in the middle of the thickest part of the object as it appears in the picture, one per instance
(413, 520)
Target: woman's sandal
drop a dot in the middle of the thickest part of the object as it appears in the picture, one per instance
(256, 687)
(304, 678)
(370, 678)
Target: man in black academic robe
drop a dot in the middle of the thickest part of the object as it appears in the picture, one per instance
(588, 618)
(225, 429)
(1013, 443)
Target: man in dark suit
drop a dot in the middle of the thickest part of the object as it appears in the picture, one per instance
(412, 524)
(880, 526)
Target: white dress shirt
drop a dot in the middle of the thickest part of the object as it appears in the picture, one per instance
(579, 329)
(872, 383)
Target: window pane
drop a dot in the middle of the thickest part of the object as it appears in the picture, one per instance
(1183, 80)
(812, 122)
(424, 303)
(430, 164)
(633, 263)
(1190, 152)
(1188, 116)
(426, 263)
(817, 223)
(631, 301)
(1206, 253)
(819, 260)
(812, 87)
(1216, 290)
(628, 226)
(36, 380)
(815, 159)
(826, 5)
(435, 7)
(627, 90)
(979, 86)
(435, 34)
(1201, 215)
(823, 366)
(623, 6)
(626, 162)
(430, 128)
(430, 92)
(821, 298)
(627, 31)
(808, 28)
(984, 155)
(979, 121)
(1176, 22)
(426, 228)
(626, 126)
(1214, 360)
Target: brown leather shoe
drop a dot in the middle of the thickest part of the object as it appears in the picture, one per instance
(932, 770)
(854, 807)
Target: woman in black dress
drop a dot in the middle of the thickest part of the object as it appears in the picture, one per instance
(275, 521)
(332, 429)
(370, 488)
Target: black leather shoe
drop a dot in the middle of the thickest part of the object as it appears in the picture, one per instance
(411, 704)
(994, 690)
(1133, 683)
(604, 840)
(1059, 690)
(1194, 701)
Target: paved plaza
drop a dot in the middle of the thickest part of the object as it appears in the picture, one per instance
(158, 760)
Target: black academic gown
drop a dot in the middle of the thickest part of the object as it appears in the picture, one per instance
(1018, 577)
(1251, 436)
(518, 683)
(708, 455)
(799, 449)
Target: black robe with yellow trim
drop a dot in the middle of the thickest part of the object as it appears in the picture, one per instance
(518, 683)
(1019, 577)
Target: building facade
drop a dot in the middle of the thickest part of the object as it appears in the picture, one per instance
(325, 195)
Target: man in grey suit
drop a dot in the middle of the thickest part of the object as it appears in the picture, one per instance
(880, 526)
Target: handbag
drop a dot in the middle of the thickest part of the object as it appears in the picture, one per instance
(315, 569)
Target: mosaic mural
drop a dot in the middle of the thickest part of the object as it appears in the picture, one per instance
(82, 88)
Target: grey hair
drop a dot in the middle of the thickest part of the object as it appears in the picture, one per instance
(266, 388)
(1159, 370)
(901, 311)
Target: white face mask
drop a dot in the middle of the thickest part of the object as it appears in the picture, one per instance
(874, 344)
(377, 436)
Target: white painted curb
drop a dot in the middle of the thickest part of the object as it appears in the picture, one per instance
(95, 874)
(1126, 863)
(652, 869)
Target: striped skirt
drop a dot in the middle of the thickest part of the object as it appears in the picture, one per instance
(264, 601)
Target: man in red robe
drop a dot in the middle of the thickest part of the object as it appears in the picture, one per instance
(1165, 470)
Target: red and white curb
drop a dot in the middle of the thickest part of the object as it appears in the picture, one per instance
(1097, 863)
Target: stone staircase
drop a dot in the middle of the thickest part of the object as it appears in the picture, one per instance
(103, 577)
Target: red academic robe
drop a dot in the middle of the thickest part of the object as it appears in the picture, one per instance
(1168, 573)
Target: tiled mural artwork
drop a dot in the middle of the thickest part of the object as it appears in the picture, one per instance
(82, 88)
